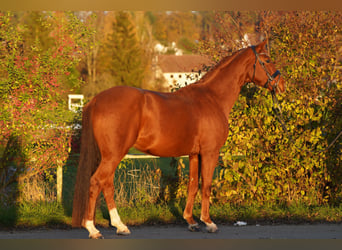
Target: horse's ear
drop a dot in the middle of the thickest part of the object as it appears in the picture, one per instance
(261, 46)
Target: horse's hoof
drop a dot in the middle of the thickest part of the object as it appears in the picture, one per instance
(96, 236)
(194, 227)
(123, 232)
(211, 228)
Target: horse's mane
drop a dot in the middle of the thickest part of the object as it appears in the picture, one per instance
(223, 63)
(211, 73)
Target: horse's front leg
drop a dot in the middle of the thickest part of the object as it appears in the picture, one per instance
(208, 164)
(192, 191)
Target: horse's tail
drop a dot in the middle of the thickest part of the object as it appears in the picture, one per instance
(88, 163)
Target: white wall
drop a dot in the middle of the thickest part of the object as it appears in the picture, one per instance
(182, 78)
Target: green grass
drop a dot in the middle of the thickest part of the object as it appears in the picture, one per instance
(41, 213)
(53, 215)
(34, 214)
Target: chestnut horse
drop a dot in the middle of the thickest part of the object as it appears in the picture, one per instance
(191, 121)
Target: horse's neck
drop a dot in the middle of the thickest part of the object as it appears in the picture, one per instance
(225, 87)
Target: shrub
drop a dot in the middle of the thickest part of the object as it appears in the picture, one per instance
(260, 162)
(35, 132)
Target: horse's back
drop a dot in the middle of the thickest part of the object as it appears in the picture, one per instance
(117, 98)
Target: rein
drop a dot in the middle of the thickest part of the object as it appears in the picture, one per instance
(279, 114)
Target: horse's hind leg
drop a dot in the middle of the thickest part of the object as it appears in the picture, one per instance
(94, 191)
(192, 191)
(103, 179)
(108, 193)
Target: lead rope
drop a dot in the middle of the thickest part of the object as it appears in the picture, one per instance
(279, 114)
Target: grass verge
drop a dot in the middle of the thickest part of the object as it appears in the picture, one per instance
(34, 214)
(52, 214)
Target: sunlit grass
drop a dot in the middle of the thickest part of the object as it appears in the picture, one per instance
(52, 214)
(41, 214)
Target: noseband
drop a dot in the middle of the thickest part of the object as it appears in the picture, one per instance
(270, 77)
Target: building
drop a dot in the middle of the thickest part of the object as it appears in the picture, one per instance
(179, 71)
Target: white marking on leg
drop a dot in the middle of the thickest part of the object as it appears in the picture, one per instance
(89, 225)
(116, 222)
(211, 227)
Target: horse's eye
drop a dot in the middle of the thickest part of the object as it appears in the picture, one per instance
(268, 61)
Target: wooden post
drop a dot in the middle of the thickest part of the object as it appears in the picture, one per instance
(59, 181)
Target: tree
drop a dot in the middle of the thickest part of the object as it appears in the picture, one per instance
(122, 54)
(227, 30)
(206, 25)
(93, 33)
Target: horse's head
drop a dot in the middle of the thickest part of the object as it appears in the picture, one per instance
(264, 71)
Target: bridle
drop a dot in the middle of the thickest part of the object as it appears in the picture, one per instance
(271, 78)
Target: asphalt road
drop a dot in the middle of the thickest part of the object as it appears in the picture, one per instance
(307, 231)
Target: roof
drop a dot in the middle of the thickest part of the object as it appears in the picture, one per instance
(184, 63)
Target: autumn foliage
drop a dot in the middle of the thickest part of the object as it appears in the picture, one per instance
(35, 125)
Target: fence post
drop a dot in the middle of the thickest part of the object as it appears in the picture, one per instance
(59, 181)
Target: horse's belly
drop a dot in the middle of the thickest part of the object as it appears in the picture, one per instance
(163, 152)
(167, 144)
